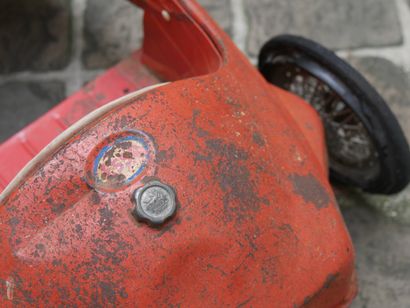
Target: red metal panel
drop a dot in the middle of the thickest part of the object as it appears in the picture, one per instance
(12, 153)
(308, 123)
(257, 223)
(127, 76)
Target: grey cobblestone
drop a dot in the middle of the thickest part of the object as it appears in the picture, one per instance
(112, 30)
(336, 24)
(382, 254)
(23, 102)
(392, 82)
(34, 35)
(220, 11)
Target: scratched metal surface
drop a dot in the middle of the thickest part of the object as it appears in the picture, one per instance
(257, 222)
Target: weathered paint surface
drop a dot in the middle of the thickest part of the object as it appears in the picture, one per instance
(120, 160)
(310, 189)
(257, 224)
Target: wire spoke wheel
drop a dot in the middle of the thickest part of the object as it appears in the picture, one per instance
(366, 146)
(349, 144)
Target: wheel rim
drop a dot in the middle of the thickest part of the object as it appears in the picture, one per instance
(350, 147)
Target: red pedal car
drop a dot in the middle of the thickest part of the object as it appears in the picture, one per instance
(205, 185)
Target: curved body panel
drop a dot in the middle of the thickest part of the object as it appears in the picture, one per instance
(256, 223)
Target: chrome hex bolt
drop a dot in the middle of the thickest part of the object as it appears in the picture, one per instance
(154, 203)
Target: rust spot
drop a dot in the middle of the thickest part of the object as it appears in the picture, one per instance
(234, 179)
(79, 231)
(310, 189)
(95, 197)
(124, 145)
(165, 155)
(20, 293)
(192, 178)
(169, 227)
(201, 157)
(258, 139)
(112, 250)
(129, 155)
(269, 270)
(106, 218)
(108, 292)
(13, 223)
(200, 132)
(40, 251)
(56, 207)
(245, 302)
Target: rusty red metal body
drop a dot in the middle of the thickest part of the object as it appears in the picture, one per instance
(257, 223)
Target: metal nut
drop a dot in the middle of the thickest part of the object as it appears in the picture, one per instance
(154, 203)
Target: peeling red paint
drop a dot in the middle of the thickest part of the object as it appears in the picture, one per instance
(310, 189)
(230, 146)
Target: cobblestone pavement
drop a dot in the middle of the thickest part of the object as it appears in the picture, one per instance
(50, 48)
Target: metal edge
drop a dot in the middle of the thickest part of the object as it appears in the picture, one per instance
(69, 132)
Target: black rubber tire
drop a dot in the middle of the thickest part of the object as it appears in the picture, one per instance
(380, 123)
